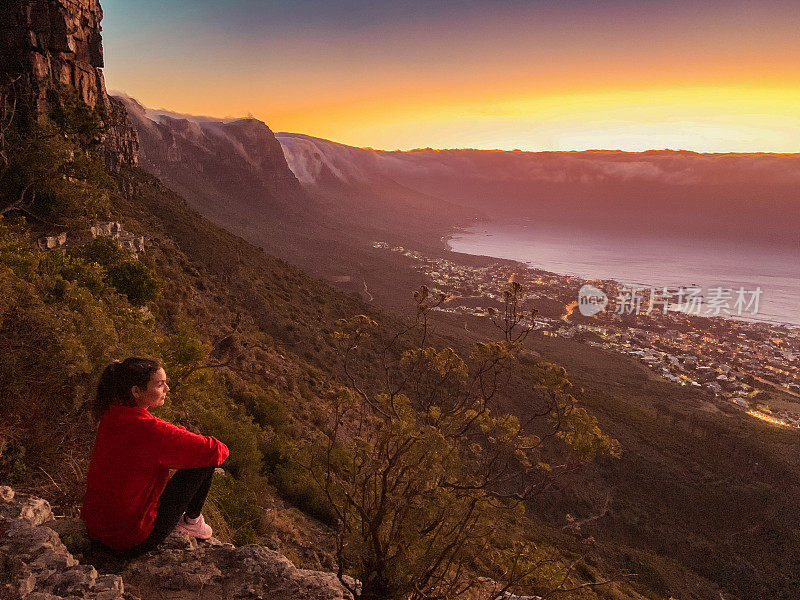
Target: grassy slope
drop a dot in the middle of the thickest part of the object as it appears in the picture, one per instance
(214, 283)
(281, 299)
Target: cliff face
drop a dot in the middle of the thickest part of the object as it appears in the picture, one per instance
(121, 144)
(235, 158)
(49, 43)
(235, 174)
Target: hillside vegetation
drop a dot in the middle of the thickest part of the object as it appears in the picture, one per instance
(253, 349)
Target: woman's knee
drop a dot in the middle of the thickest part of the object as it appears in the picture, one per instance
(198, 472)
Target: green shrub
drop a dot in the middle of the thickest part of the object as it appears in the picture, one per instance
(239, 433)
(104, 251)
(296, 486)
(136, 280)
(264, 406)
(68, 268)
(129, 276)
(277, 450)
(73, 116)
(12, 464)
(184, 350)
(14, 253)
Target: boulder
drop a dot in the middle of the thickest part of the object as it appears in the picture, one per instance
(32, 509)
(35, 563)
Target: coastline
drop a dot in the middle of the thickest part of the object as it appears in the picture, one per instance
(732, 359)
(445, 241)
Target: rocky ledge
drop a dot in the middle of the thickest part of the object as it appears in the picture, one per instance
(46, 558)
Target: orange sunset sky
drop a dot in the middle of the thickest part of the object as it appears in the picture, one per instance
(573, 75)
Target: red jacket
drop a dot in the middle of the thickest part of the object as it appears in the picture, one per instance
(133, 453)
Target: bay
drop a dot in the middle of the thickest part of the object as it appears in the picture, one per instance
(650, 260)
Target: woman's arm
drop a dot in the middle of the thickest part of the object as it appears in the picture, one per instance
(181, 449)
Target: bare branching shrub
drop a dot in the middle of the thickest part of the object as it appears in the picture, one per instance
(425, 471)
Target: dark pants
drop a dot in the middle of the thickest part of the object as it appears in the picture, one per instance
(185, 492)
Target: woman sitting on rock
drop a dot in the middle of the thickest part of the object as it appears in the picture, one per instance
(131, 503)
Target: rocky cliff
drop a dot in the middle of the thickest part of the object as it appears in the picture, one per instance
(46, 558)
(239, 157)
(46, 44)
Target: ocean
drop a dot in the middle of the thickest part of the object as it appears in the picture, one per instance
(648, 261)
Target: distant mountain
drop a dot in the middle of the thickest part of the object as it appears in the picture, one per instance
(236, 172)
(319, 162)
(318, 215)
(747, 198)
(348, 179)
(672, 193)
(231, 172)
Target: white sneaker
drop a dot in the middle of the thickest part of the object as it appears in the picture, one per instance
(197, 528)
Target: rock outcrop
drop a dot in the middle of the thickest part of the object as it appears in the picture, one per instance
(34, 562)
(45, 44)
(47, 558)
(114, 230)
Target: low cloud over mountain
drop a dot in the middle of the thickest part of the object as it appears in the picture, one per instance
(670, 193)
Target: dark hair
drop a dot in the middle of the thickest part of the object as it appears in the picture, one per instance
(117, 380)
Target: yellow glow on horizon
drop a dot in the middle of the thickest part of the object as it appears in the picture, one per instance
(707, 119)
(727, 118)
(709, 77)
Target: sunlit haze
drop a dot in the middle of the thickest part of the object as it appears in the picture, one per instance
(574, 75)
